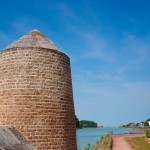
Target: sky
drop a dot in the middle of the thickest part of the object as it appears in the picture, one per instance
(108, 42)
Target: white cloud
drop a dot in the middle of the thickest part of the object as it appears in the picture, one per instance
(136, 51)
(140, 46)
(97, 47)
(65, 10)
(102, 76)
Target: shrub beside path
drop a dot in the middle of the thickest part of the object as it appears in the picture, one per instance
(120, 143)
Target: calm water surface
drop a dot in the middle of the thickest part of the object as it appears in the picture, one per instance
(91, 135)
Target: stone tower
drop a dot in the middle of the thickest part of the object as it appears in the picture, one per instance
(36, 92)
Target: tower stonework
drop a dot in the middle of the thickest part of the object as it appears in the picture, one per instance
(36, 92)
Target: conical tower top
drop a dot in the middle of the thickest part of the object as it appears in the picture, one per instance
(34, 39)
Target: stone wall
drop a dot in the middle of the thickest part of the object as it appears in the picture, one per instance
(36, 96)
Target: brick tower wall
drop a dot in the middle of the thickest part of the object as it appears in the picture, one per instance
(36, 96)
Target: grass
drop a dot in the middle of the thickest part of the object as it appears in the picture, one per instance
(87, 147)
(103, 143)
(139, 143)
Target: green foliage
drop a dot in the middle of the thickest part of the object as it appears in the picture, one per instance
(77, 122)
(87, 147)
(106, 141)
(87, 123)
(103, 143)
(129, 125)
(148, 120)
(147, 133)
(146, 124)
(84, 123)
(137, 125)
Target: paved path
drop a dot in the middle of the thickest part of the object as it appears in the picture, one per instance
(119, 142)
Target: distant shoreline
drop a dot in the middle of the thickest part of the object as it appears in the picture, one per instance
(143, 129)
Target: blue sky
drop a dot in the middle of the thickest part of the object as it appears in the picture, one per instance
(109, 46)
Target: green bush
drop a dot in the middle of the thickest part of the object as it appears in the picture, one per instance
(147, 133)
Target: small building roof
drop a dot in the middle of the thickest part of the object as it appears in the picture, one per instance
(34, 39)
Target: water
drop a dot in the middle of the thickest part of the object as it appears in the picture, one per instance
(91, 135)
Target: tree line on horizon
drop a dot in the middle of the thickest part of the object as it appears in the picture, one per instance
(85, 123)
(143, 124)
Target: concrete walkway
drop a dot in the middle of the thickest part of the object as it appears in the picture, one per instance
(119, 142)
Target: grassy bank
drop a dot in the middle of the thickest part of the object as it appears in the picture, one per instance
(104, 143)
(139, 143)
